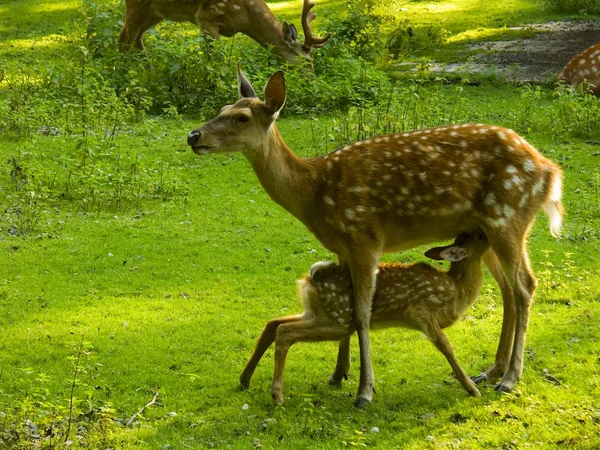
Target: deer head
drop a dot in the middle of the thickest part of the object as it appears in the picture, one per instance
(225, 18)
(239, 127)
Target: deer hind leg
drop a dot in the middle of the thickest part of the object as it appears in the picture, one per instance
(342, 367)
(515, 261)
(363, 270)
(298, 331)
(264, 342)
(439, 339)
(508, 322)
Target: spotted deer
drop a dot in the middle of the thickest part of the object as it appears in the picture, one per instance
(224, 18)
(584, 67)
(398, 191)
(413, 296)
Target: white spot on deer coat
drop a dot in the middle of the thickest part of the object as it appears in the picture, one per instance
(537, 187)
(529, 166)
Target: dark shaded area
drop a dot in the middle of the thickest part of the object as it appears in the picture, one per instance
(544, 55)
(536, 59)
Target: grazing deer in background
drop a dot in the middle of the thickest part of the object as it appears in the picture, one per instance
(224, 18)
(398, 191)
(584, 67)
(413, 296)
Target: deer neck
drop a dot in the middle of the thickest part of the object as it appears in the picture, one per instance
(264, 27)
(289, 180)
(468, 278)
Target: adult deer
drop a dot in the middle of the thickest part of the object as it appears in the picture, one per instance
(394, 192)
(584, 67)
(224, 18)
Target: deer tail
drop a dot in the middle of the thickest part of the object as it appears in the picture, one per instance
(553, 206)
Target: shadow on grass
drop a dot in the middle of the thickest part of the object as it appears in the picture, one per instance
(33, 20)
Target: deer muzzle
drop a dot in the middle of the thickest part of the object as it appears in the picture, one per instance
(193, 137)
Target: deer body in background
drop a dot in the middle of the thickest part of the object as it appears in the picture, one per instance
(413, 296)
(584, 67)
(395, 192)
(224, 18)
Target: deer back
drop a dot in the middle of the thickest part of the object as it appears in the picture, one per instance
(585, 66)
(411, 188)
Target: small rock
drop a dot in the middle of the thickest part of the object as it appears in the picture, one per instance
(375, 430)
(245, 407)
(427, 416)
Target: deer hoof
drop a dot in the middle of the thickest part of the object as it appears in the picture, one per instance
(475, 392)
(361, 402)
(502, 388)
(479, 378)
(337, 380)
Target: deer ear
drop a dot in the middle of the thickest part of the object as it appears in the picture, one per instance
(275, 93)
(290, 34)
(434, 253)
(454, 254)
(244, 86)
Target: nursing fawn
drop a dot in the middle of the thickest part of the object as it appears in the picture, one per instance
(415, 296)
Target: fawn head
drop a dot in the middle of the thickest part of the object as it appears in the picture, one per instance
(472, 244)
(242, 126)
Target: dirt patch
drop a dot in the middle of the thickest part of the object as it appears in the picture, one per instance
(534, 59)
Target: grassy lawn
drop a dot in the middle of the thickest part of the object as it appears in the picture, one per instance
(130, 267)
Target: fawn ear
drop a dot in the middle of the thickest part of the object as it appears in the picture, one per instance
(454, 253)
(275, 93)
(434, 253)
(244, 87)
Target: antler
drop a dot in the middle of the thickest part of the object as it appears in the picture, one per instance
(310, 41)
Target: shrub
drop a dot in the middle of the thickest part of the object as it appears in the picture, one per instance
(574, 6)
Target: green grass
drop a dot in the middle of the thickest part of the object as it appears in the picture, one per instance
(139, 267)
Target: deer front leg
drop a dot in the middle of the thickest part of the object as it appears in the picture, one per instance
(363, 270)
(523, 289)
(342, 367)
(441, 342)
(264, 342)
(507, 334)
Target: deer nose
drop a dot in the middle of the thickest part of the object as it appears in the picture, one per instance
(193, 137)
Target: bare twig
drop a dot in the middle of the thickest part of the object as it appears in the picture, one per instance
(152, 402)
(73, 383)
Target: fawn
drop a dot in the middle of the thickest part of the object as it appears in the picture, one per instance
(415, 296)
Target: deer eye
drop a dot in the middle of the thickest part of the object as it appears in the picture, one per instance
(242, 118)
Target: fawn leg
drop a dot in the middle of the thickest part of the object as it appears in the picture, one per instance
(264, 342)
(298, 331)
(441, 342)
(342, 366)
